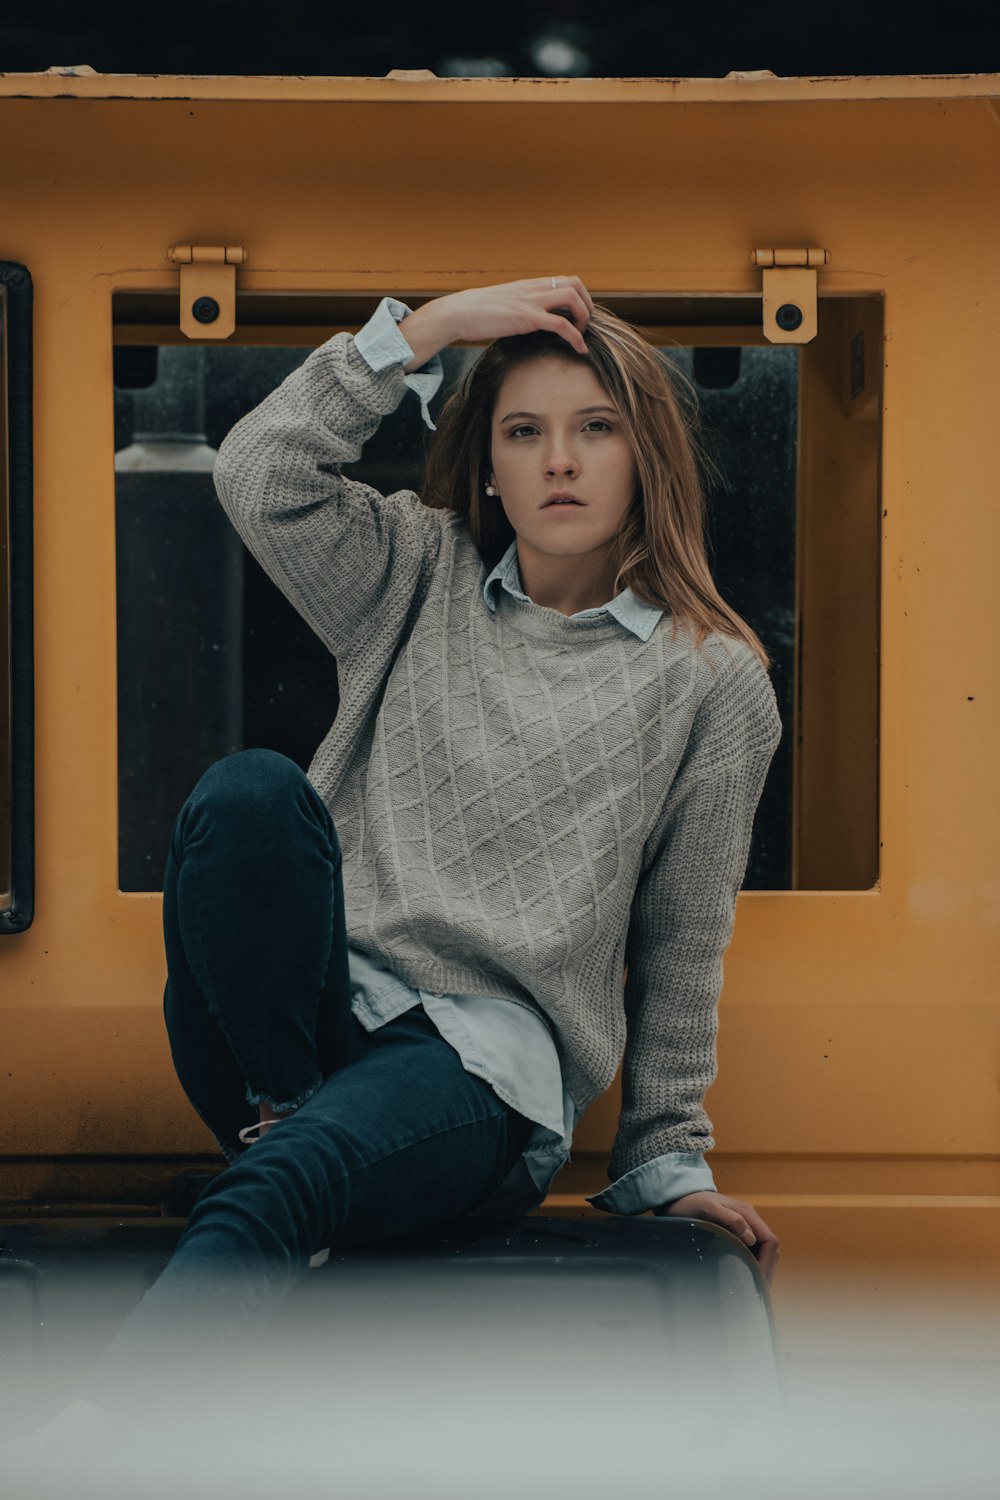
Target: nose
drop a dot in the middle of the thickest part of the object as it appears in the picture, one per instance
(559, 459)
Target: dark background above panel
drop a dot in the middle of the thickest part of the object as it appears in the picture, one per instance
(560, 38)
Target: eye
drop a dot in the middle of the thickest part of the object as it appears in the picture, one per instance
(523, 428)
(600, 422)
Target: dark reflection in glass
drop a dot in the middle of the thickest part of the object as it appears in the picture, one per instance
(213, 658)
(750, 428)
(716, 369)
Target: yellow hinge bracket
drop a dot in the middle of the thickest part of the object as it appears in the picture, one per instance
(208, 288)
(789, 277)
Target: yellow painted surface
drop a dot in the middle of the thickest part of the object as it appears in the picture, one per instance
(860, 1029)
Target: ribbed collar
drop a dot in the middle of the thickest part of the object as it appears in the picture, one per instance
(633, 613)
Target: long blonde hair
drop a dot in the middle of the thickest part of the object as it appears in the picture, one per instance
(659, 551)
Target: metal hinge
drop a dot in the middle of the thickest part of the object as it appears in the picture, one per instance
(789, 277)
(208, 288)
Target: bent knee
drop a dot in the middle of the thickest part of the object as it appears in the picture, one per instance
(249, 773)
(252, 787)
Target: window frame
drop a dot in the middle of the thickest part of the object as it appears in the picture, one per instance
(836, 794)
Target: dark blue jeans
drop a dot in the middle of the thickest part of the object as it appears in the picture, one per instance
(389, 1133)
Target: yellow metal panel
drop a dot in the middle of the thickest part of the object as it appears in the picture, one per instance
(857, 1026)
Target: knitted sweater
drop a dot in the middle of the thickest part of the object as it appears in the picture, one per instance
(526, 803)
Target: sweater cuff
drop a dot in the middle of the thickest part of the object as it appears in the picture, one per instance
(657, 1182)
(381, 344)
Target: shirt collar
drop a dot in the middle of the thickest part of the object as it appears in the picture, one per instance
(631, 612)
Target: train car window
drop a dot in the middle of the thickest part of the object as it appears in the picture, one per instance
(212, 658)
(16, 684)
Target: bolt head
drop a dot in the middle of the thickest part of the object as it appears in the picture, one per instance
(788, 317)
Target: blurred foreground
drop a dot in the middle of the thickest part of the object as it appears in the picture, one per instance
(371, 1386)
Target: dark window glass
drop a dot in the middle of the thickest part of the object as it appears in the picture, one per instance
(749, 411)
(212, 658)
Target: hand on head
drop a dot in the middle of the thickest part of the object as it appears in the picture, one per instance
(481, 313)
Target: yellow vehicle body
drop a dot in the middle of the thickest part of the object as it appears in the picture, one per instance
(857, 1102)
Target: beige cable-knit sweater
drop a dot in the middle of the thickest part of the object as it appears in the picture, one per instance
(526, 803)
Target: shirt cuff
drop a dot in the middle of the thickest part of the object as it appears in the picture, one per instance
(657, 1182)
(381, 344)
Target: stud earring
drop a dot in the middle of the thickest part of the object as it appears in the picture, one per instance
(490, 490)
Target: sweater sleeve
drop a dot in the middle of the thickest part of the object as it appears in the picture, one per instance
(353, 562)
(680, 925)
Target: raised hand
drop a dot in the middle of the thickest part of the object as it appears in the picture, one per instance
(480, 313)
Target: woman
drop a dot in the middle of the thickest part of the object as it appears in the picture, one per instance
(394, 985)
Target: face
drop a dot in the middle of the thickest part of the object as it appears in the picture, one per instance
(555, 428)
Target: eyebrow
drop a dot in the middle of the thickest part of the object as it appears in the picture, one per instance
(583, 411)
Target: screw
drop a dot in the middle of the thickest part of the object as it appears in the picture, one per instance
(788, 316)
(206, 309)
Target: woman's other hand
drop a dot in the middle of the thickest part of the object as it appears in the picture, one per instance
(740, 1218)
(481, 313)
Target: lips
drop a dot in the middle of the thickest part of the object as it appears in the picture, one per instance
(565, 498)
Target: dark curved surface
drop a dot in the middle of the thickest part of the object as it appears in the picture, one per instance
(557, 1297)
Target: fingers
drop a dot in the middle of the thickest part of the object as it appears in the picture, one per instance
(736, 1223)
(767, 1259)
(516, 307)
(743, 1220)
(566, 330)
(579, 311)
(766, 1240)
(740, 1218)
(572, 283)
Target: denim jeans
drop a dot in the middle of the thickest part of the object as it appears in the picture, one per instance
(389, 1133)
